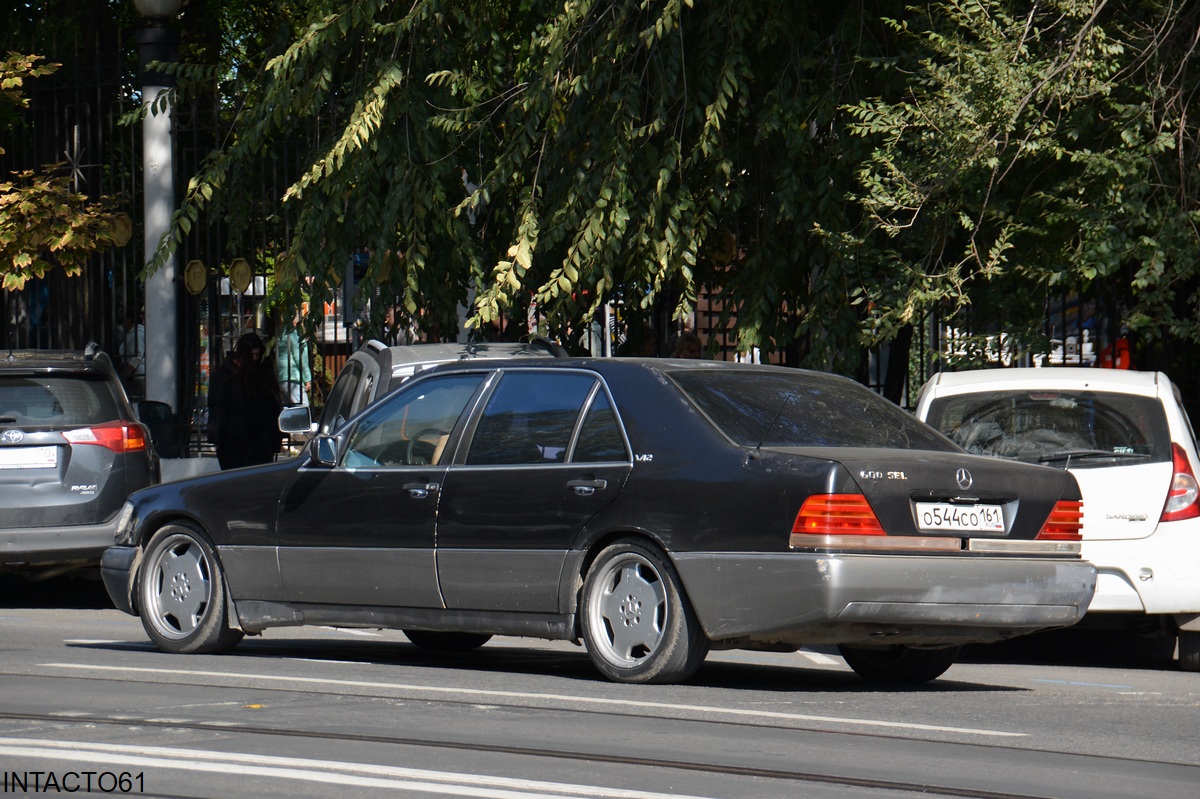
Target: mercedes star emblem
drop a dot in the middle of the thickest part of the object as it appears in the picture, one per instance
(964, 478)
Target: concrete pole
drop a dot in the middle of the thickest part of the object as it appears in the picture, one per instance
(158, 194)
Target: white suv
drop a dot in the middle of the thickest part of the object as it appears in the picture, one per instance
(1127, 439)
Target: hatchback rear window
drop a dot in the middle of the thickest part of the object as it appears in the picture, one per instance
(805, 409)
(1090, 428)
(56, 401)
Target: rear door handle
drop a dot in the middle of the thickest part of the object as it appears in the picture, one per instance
(420, 490)
(585, 488)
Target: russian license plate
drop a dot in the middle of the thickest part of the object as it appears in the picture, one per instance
(971, 518)
(28, 457)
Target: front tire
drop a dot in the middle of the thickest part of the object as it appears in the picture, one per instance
(181, 594)
(637, 623)
(899, 665)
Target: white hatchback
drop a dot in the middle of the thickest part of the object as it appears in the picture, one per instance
(1127, 439)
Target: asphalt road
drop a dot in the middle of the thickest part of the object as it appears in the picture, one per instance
(86, 702)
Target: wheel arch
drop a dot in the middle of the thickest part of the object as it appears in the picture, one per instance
(576, 571)
(147, 533)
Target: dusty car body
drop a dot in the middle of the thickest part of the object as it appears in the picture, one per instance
(653, 509)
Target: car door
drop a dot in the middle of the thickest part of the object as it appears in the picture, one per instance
(546, 454)
(362, 532)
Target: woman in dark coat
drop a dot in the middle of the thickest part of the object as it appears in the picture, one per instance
(244, 406)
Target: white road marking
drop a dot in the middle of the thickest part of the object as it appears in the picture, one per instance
(359, 775)
(818, 658)
(564, 699)
(350, 631)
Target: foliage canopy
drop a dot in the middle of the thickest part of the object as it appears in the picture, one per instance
(834, 172)
(44, 224)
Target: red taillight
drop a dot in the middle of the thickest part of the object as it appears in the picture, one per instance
(1065, 522)
(837, 514)
(1181, 499)
(117, 436)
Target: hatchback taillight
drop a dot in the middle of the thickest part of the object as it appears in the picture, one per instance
(116, 436)
(1065, 522)
(1185, 491)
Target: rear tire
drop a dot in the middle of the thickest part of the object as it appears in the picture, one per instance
(1189, 650)
(181, 594)
(637, 623)
(436, 641)
(899, 665)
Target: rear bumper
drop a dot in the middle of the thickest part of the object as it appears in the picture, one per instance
(116, 569)
(38, 546)
(1157, 575)
(805, 598)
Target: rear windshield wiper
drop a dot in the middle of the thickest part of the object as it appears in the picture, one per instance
(1089, 454)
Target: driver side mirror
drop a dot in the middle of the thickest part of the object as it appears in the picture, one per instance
(296, 419)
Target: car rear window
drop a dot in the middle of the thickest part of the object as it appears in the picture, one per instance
(805, 409)
(1050, 425)
(56, 401)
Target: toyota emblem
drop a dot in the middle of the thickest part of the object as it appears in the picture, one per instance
(964, 478)
(13, 436)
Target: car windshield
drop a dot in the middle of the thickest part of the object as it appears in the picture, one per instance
(56, 400)
(1076, 428)
(804, 409)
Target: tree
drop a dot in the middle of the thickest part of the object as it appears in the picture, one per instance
(834, 171)
(1038, 148)
(43, 223)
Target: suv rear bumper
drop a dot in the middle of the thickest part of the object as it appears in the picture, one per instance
(37, 546)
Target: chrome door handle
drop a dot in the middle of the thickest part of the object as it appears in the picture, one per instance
(420, 490)
(585, 488)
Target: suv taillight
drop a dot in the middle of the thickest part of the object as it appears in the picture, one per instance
(1185, 491)
(1065, 522)
(117, 436)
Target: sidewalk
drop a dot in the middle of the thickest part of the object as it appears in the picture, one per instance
(179, 468)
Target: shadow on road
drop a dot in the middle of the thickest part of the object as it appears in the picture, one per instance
(82, 590)
(1080, 647)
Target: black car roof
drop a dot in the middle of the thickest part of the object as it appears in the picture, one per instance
(620, 365)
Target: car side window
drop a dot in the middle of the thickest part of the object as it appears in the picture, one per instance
(364, 395)
(600, 439)
(411, 427)
(529, 419)
(337, 409)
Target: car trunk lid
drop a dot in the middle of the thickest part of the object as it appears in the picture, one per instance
(930, 493)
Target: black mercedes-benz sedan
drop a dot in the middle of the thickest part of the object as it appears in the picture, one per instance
(655, 509)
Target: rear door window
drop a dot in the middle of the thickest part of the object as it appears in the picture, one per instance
(531, 417)
(600, 439)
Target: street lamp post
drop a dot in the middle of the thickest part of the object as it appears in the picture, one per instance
(157, 42)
